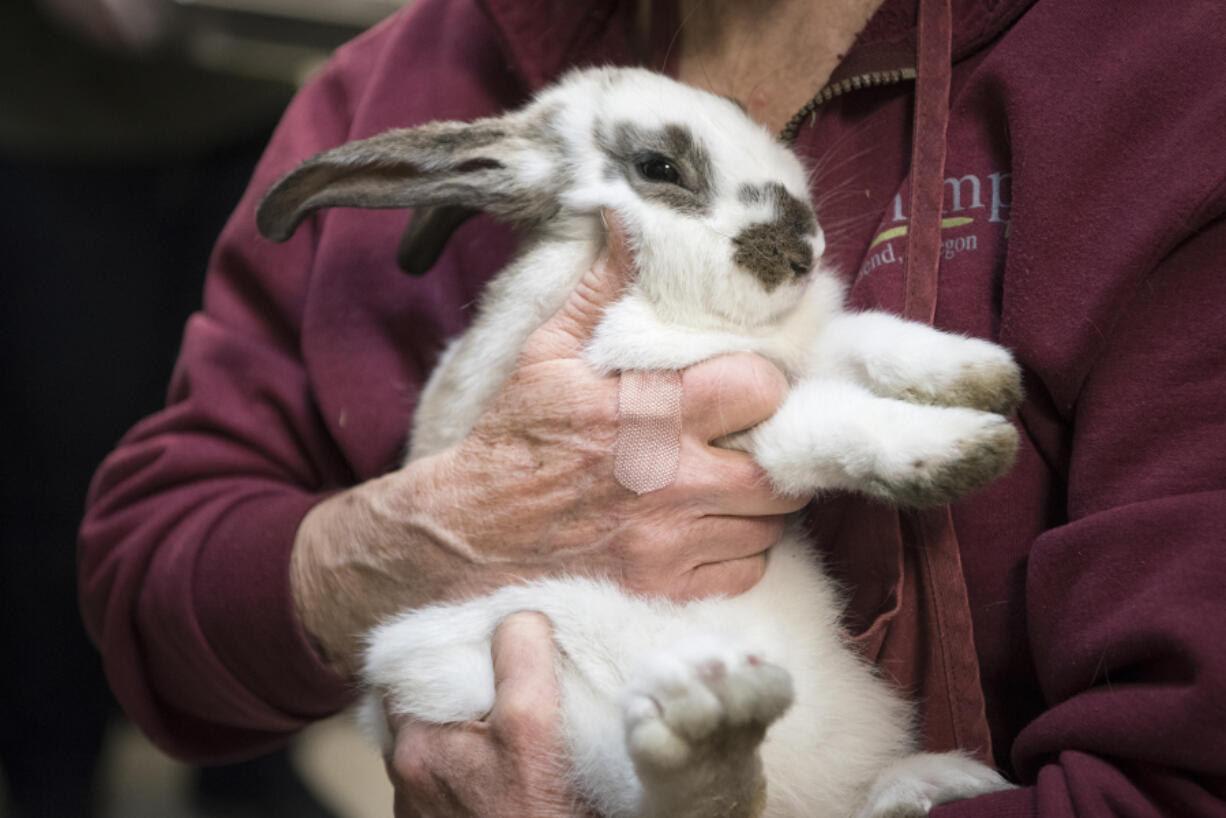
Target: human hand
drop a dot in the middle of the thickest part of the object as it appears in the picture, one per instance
(531, 492)
(507, 764)
(539, 465)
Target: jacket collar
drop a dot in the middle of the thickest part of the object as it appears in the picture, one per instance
(543, 38)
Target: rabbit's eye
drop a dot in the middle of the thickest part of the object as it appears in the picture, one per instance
(657, 168)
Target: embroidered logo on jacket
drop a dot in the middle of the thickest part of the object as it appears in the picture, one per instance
(972, 203)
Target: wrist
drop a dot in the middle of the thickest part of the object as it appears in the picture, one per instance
(364, 554)
(330, 625)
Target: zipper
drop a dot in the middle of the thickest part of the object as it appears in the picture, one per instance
(855, 82)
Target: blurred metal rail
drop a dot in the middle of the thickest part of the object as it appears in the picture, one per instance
(273, 39)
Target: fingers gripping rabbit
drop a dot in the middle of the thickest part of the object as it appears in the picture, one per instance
(727, 249)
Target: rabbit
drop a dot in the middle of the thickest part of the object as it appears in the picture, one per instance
(744, 706)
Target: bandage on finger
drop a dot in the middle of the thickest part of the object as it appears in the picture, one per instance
(648, 449)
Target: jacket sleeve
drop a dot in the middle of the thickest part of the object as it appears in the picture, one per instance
(1127, 601)
(184, 548)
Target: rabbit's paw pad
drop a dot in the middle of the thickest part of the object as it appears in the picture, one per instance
(964, 450)
(909, 788)
(975, 374)
(705, 696)
(993, 384)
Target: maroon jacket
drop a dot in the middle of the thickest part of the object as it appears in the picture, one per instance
(1067, 619)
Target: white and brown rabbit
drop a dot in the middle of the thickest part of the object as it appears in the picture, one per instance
(666, 706)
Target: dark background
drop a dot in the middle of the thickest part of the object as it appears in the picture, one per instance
(127, 134)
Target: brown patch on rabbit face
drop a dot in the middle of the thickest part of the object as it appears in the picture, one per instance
(629, 146)
(780, 250)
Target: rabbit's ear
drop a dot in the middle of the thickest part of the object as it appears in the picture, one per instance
(426, 235)
(489, 164)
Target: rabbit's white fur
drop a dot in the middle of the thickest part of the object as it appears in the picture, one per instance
(665, 704)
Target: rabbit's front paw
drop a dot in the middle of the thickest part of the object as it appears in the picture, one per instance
(973, 373)
(906, 360)
(912, 786)
(705, 698)
(954, 452)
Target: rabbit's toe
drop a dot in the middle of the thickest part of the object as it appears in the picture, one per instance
(705, 696)
(912, 786)
(976, 448)
(977, 375)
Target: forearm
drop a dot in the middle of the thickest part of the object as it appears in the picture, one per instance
(378, 548)
(184, 559)
(187, 595)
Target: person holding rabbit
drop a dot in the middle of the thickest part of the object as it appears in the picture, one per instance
(1058, 622)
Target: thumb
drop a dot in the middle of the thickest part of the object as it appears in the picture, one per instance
(565, 334)
(525, 709)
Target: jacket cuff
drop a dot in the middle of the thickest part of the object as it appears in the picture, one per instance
(245, 607)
